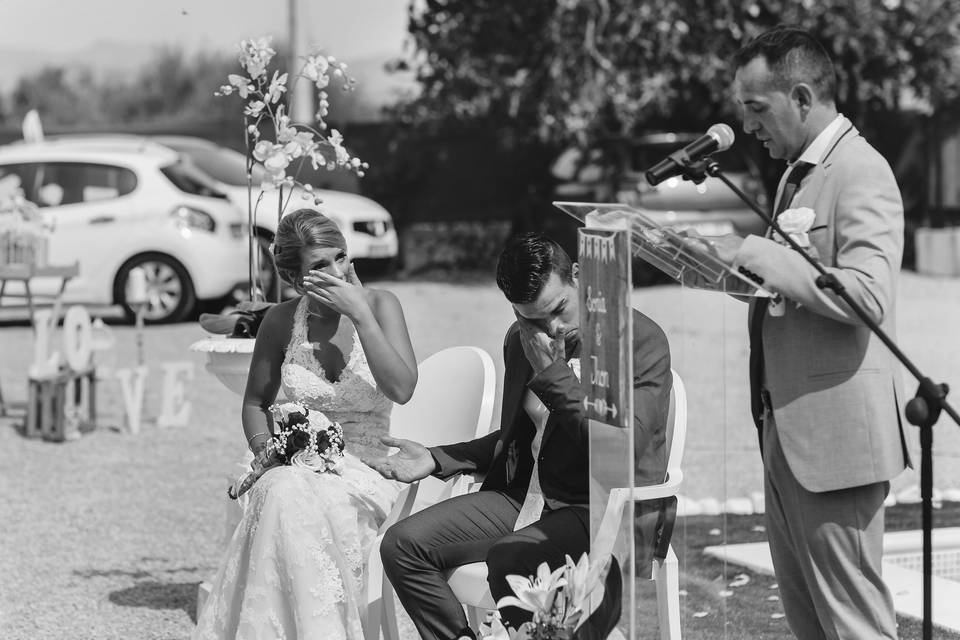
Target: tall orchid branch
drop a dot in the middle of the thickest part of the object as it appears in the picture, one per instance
(289, 142)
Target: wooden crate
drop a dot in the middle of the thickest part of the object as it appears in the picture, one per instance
(62, 405)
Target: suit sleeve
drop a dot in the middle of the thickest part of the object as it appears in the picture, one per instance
(559, 389)
(472, 456)
(868, 240)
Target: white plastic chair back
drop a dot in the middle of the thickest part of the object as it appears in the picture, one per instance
(453, 401)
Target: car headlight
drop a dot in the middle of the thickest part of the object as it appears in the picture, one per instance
(194, 218)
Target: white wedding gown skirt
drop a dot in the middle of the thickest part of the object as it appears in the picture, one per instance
(295, 566)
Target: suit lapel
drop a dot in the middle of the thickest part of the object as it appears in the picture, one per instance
(516, 373)
(812, 187)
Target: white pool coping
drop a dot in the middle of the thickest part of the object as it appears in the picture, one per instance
(905, 585)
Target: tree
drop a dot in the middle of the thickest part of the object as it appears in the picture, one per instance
(62, 96)
(564, 70)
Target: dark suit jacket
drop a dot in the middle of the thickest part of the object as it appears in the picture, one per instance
(564, 451)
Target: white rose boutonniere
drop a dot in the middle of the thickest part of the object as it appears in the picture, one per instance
(796, 223)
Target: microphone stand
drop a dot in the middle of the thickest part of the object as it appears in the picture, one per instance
(923, 410)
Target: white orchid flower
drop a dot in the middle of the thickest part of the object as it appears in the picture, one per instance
(255, 56)
(315, 70)
(255, 108)
(277, 161)
(535, 595)
(241, 84)
(278, 86)
(262, 150)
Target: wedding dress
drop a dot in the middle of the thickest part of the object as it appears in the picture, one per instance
(294, 568)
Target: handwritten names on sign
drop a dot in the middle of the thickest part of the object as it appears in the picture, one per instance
(606, 351)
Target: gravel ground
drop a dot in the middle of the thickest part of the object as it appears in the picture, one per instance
(108, 536)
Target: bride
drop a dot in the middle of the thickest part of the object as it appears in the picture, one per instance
(294, 567)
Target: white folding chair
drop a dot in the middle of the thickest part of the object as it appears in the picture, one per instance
(469, 582)
(453, 402)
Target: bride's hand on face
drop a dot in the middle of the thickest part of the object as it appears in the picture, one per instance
(343, 295)
(411, 463)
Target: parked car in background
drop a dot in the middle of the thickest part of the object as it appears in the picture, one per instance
(111, 210)
(616, 174)
(367, 227)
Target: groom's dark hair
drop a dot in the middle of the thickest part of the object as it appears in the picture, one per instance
(526, 262)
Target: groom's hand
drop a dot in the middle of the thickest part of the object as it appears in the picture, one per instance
(411, 463)
(540, 348)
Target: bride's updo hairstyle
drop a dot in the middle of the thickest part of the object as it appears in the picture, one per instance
(299, 229)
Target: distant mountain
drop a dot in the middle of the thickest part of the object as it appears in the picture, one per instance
(376, 87)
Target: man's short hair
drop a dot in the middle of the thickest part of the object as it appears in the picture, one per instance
(793, 56)
(526, 263)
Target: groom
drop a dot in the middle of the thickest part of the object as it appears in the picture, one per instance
(533, 504)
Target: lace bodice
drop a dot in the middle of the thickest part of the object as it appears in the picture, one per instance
(353, 400)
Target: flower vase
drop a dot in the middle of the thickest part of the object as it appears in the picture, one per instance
(228, 359)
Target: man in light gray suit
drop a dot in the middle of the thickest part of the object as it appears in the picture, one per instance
(825, 391)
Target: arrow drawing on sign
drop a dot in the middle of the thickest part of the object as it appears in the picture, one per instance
(600, 406)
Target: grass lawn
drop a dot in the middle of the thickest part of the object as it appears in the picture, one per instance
(752, 610)
(109, 536)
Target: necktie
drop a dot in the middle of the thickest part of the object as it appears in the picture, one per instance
(797, 173)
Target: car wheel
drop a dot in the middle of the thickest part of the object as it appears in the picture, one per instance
(170, 294)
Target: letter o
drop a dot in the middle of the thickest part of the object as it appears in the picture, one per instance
(77, 338)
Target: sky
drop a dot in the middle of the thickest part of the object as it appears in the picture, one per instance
(352, 28)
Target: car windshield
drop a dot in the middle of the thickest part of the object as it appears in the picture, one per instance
(185, 176)
(220, 163)
(229, 167)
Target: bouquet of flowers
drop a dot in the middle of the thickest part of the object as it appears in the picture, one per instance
(560, 601)
(301, 438)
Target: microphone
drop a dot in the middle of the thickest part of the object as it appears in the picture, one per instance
(719, 137)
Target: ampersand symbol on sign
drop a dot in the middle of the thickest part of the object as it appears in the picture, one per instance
(598, 335)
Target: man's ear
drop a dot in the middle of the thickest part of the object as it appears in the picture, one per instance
(575, 272)
(803, 95)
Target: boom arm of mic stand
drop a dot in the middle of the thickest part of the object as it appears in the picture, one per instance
(923, 410)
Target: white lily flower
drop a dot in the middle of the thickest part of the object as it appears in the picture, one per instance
(534, 595)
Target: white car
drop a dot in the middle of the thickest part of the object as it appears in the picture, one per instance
(367, 227)
(115, 209)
